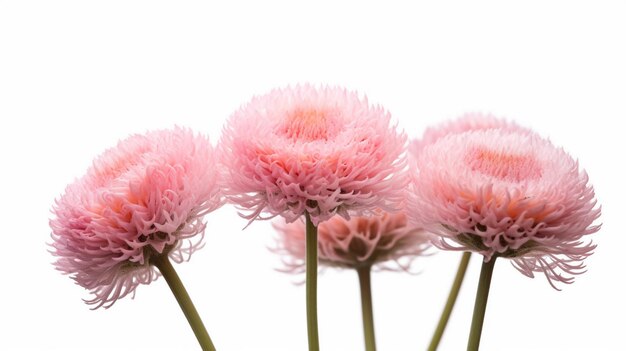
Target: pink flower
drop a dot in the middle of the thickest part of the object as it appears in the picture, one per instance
(142, 198)
(354, 243)
(321, 151)
(506, 194)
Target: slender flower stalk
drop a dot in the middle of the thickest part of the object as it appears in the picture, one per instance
(366, 307)
(447, 310)
(480, 305)
(164, 265)
(311, 284)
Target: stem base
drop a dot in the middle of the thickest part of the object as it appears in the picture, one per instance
(480, 306)
(452, 296)
(311, 284)
(162, 262)
(366, 307)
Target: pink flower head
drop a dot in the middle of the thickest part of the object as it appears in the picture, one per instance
(357, 242)
(142, 198)
(465, 123)
(506, 194)
(317, 151)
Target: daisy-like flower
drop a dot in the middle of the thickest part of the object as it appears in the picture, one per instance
(358, 243)
(355, 243)
(506, 194)
(466, 123)
(141, 200)
(316, 151)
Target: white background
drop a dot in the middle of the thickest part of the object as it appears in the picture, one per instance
(76, 76)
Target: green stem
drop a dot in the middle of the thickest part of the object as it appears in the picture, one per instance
(366, 307)
(164, 265)
(481, 304)
(311, 284)
(452, 296)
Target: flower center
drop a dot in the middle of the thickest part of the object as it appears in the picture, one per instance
(307, 124)
(502, 165)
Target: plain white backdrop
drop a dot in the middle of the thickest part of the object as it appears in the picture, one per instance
(76, 76)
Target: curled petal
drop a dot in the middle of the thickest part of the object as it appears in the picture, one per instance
(381, 240)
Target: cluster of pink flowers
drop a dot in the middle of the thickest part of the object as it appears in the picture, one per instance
(326, 156)
(479, 183)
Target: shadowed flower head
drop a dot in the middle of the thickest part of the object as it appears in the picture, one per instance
(506, 194)
(144, 197)
(317, 151)
(354, 243)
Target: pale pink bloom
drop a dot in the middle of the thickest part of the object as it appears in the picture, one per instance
(144, 197)
(354, 243)
(466, 123)
(506, 194)
(320, 151)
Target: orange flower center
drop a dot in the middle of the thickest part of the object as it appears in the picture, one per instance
(307, 125)
(502, 165)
